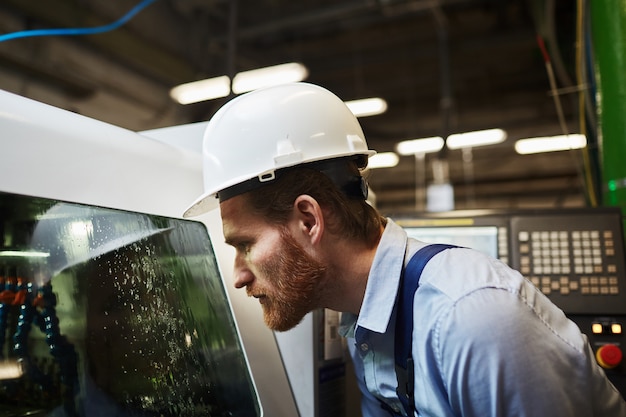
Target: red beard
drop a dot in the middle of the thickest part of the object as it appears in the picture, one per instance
(294, 278)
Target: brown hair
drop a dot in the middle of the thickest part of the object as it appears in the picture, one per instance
(351, 218)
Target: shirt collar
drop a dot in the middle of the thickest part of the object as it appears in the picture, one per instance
(383, 279)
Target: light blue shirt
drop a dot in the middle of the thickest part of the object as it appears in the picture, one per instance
(486, 342)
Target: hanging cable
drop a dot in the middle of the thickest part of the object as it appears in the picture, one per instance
(582, 95)
(78, 31)
(553, 86)
(585, 172)
(545, 27)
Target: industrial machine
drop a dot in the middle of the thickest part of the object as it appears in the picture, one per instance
(110, 302)
(318, 366)
(574, 256)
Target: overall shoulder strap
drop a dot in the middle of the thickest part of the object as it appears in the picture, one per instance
(404, 322)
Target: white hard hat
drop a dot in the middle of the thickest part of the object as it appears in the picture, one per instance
(258, 133)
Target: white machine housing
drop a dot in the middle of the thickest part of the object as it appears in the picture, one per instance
(52, 153)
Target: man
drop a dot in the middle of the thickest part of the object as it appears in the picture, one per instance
(285, 165)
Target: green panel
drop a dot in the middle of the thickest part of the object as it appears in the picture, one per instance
(609, 35)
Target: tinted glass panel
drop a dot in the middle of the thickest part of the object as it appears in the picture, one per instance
(106, 312)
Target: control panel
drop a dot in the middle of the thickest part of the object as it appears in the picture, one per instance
(575, 257)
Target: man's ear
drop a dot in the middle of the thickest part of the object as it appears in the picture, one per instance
(308, 218)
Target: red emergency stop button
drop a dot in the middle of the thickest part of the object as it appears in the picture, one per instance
(609, 356)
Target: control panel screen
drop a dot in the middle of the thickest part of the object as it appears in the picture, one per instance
(482, 238)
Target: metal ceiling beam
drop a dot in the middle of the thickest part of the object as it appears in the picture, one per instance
(343, 11)
(69, 86)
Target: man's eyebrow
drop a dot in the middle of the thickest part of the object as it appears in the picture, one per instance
(232, 240)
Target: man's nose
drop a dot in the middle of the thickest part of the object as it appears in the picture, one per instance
(242, 275)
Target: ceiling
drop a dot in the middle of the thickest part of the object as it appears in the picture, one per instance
(443, 67)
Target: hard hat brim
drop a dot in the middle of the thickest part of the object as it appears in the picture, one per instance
(203, 204)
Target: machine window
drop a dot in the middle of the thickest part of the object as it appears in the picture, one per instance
(108, 312)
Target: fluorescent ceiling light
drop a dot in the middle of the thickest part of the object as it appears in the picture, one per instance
(383, 160)
(202, 90)
(420, 146)
(268, 76)
(550, 144)
(245, 81)
(367, 106)
(477, 138)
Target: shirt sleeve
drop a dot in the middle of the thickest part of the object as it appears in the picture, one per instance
(501, 353)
